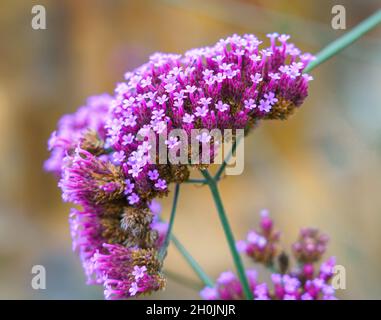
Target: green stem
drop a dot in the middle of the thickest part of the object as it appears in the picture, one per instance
(164, 248)
(179, 278)
(195, 181)
(229, 234)
(225, 162)
(169, 236)
(192, 262)
(341, 43)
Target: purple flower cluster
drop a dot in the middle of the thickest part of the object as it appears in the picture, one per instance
(231, 85)
(261, 245)
(310, 246)
(87, 121)
(127, 272)
(109, 256)
(103, 155)
(305, 282)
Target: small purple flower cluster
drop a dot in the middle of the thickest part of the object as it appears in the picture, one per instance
(73, 128)
(261, 245)
(102, 155)
(125, 271)
(310, 246)
(305, 282)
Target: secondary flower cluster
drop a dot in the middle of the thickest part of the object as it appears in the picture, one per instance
(118, 251)
(305, 282)
(102, 152)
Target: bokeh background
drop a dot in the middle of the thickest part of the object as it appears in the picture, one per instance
(320, 168)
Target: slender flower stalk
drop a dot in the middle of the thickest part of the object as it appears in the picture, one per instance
(179, 278)
(341, 43)
(169, 236)
(225, 162)
(164, 248)
(195, 181)
(229, 234)
(192, 262)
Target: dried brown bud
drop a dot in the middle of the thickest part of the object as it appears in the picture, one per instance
(283, 261)
(112, 231)
(180, 173)
(148, 258)
(92, 143)
(136, 222)
(281, 110)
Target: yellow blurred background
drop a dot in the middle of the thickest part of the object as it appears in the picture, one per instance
(321, 168)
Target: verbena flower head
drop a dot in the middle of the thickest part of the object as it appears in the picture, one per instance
(307, 281)
(261, 245)
(103, 152)
(128, 272)
(92, 228)
(310, 246)
(232, 85)
(88, 179)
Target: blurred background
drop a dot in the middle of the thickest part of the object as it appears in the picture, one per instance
(321, 168)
